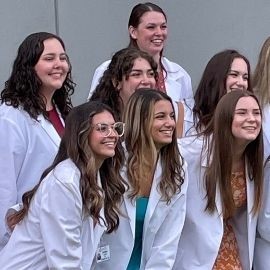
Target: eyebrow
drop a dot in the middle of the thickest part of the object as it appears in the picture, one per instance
(244, 109)
(236, 71)
(52, 54)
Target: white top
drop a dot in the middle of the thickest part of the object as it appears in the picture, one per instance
(177, 80)
(27, 148)
(161, 231)
(202, 233)
(54, 234)
(262, 245)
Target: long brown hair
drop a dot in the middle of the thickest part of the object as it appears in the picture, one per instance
(212, 87)
(138, 116)
(220, 157)
(75, 146)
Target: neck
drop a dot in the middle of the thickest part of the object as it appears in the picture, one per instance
(238, 161)
(47, 98)
(157, 60)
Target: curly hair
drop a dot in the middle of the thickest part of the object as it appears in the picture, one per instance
(138, 117)
(75, 145)
(23, 86)
(119, 68)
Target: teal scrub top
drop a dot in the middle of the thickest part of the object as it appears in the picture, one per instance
(135, 260)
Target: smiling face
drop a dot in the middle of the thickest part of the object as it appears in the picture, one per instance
(237, 78)
(52, 66)
(102, 147)
(151, 32)
(163, 123)
(247, 120)
(141, 76)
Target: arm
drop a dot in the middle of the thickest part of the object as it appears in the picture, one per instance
(61, 223)
(164, 249)
(12, 155)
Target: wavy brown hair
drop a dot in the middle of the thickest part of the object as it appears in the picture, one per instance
(138, 116)
(220, 157)
(119, 69)
(75, 146)
(23, 86)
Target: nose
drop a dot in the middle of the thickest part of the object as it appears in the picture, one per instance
(145, 80)
(57, 63)
(170, 122)
(158, 31)
(240, 81)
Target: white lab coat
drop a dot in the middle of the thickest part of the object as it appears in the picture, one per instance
(177, 80)
(262, 244)
(266, 130)
(27, 148)
(202, 233)
(161, 231)
(55, 234)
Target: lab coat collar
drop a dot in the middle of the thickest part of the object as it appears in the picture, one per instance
(49, 129)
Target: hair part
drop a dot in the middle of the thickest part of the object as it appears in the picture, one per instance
(75, 146)
(107, 91)
(23, 86)
(139, 117)
(220, 157)
(212, 87)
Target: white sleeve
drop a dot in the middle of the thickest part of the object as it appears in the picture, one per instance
(164, 250)
(61, 224)
(97, 75)
(262, 244)
(12, 155)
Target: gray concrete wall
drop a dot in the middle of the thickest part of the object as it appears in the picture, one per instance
(94, 29)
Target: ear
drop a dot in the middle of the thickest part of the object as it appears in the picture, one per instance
(132, 32)
(116, 84)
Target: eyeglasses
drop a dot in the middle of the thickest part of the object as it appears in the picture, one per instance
(106, 130)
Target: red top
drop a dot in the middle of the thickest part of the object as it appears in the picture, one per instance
(161, 82)
(56, 121)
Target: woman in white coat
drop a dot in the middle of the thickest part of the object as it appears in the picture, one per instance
(147, 28)
(154, 205)
(34, 104)
(225, 188)
(77, 199)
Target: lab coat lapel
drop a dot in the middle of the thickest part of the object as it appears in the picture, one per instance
(218, 195)
(49, 129)
(154, 195)
(131, 212)
(251, 218)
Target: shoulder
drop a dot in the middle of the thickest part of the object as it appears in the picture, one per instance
(67, 173)
(16, 116)
(172, 67)
(102, 67)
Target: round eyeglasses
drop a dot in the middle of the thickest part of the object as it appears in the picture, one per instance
(106, 129)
